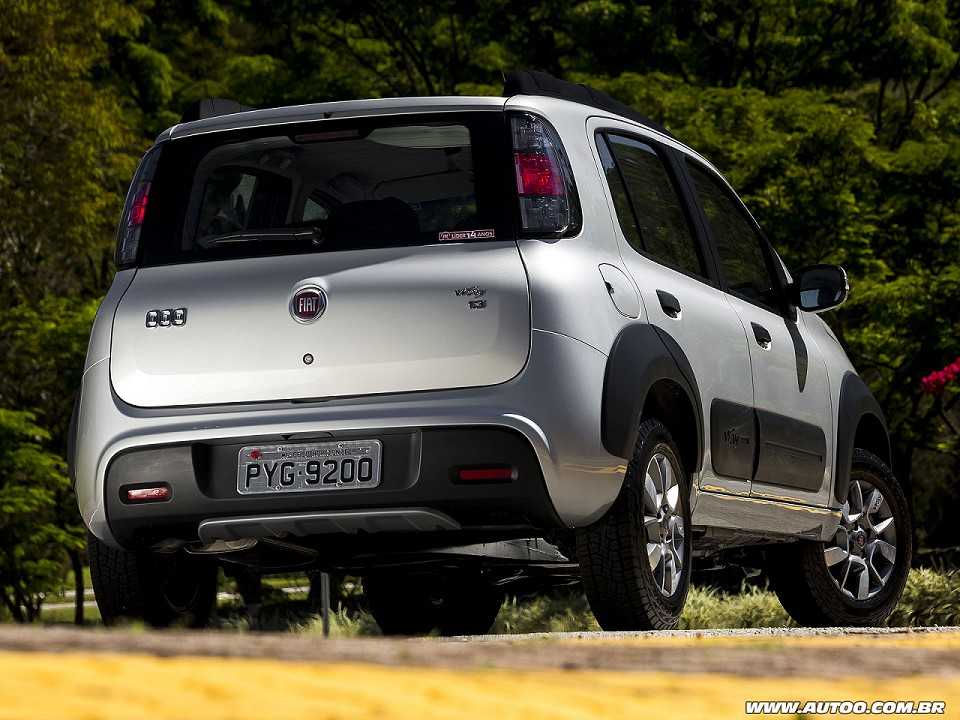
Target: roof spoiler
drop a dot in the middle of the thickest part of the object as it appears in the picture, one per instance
(211, 107)
(533, 82)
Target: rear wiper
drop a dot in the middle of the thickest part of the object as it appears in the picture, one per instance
(313, 234)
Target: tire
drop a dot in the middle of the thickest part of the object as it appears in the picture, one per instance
(460, 603)
(159, 589)
(810, 591)
(625, 589)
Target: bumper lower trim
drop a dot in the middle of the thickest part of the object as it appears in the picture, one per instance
(391, 520)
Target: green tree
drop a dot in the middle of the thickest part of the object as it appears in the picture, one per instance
(63, 146)
(33, 542)
(43, 346)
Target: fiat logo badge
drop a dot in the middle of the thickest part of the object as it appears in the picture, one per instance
(308, 303)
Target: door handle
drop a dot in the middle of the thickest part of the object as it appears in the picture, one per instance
(669, 303)
(762, 335)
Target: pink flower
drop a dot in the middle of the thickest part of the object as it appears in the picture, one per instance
(935, 382)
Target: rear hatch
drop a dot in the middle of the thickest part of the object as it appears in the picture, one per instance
(325, 259)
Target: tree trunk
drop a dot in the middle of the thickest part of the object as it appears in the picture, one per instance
(77, 563)
(15, 612)
(903, 469)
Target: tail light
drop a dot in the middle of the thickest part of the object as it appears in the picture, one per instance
(485, 474)
(148, 493)
(135, 211)
(548, 196)
(138, 209)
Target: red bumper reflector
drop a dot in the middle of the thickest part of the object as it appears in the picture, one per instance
(149, 494)
(489, 474)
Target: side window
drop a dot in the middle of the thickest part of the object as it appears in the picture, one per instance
(313, 211)
(661, 227)
(621, 203)
(740, 247)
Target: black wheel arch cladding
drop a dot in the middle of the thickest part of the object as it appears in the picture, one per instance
(641, 357)
(860, 423)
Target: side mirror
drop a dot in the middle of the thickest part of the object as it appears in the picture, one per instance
(819, 287)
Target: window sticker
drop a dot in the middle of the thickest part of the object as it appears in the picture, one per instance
(454, 235)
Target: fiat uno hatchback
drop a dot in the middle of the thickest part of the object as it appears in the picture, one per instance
(466, 345)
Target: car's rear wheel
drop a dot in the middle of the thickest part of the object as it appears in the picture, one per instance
(635, 560)
(449, 603)
(161, 589)
(857, 577)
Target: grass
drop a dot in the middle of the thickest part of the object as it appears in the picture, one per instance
(705, 609)
(708, 609)
(930, 598)
(342, 624)
(558, 611)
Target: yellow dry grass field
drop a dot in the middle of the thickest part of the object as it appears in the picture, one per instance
(113, 686)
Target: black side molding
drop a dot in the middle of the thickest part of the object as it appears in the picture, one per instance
(733, 439)
(857, 403)
(792, 453)
(759, 445)
(641, 356)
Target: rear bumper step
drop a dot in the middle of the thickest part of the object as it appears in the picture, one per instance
(323, 523)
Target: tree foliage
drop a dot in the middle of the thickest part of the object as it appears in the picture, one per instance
(32, 538)
(62, 146)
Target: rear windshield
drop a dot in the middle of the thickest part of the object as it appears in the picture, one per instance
(329, 186)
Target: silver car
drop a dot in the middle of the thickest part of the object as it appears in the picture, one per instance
(463, 345)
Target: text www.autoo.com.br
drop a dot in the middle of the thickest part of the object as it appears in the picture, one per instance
(845, 707)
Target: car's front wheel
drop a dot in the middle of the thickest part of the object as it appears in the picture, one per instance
(161, 589)
(857, 577)
(635, 560)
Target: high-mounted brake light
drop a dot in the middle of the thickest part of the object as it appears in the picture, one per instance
(548, 203)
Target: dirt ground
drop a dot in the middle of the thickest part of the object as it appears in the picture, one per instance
(759, 653)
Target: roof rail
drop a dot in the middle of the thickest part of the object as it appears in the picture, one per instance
(533, 82)
(211, 107)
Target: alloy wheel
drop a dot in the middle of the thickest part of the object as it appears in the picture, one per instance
(663, 523)
(863, 553)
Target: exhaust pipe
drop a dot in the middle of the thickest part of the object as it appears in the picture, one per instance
(222, 547)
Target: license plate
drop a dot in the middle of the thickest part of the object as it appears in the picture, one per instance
(309, 466)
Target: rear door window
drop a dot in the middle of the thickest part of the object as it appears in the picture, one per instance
(648, 205)
(329, 186)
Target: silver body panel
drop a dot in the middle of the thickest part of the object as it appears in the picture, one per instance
(765, 516)
(536, 361)
(394, 323)
(554, 403)
(705, 321)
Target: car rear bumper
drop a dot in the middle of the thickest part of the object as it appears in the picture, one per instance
(419, 472)
(547, 420)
